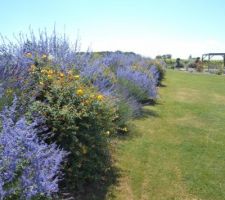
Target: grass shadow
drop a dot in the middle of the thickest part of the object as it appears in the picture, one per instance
(149, 102)
(98, 190)
(146, 113)
(162, 85)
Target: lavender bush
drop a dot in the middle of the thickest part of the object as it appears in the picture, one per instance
(16, 58)
(139, 84)
(157, 69)
(100, 76)
(28, 166)
(128, 77)
(155, 74)
(100, 68)
(121, 59)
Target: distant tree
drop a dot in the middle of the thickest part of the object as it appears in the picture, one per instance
(167, 56)
(178, 63)
(158, 57)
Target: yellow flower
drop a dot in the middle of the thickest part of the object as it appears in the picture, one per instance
(50, 71)
(41, 83)
(49, 76)
(100, 97)
(107, 133)
(61, 75)
(80, 92)
(76, 77)
(44, 56)
(125, 129)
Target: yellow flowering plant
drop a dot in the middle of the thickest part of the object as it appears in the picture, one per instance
(78, 116)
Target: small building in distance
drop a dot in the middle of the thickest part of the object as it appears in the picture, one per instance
(208, 56)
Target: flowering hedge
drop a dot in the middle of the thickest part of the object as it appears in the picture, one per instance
(82, 97)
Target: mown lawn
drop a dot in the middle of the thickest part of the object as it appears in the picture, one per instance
(177, 149)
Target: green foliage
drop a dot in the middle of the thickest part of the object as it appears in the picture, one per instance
(170, 63)
(6, 98)
(220, 70)
(125, 112)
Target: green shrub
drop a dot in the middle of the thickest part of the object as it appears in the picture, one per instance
(125, 112)
(220, 70)
(199, 67)
(80, 118)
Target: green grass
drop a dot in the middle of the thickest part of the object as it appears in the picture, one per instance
(177, 150)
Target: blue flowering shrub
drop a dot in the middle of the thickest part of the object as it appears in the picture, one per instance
(29, 168)
(17, 57)
(138, 82)
(158, 69)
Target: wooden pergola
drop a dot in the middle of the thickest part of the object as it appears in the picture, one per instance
(210, 55)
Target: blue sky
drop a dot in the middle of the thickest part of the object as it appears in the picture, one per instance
(148, 27)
